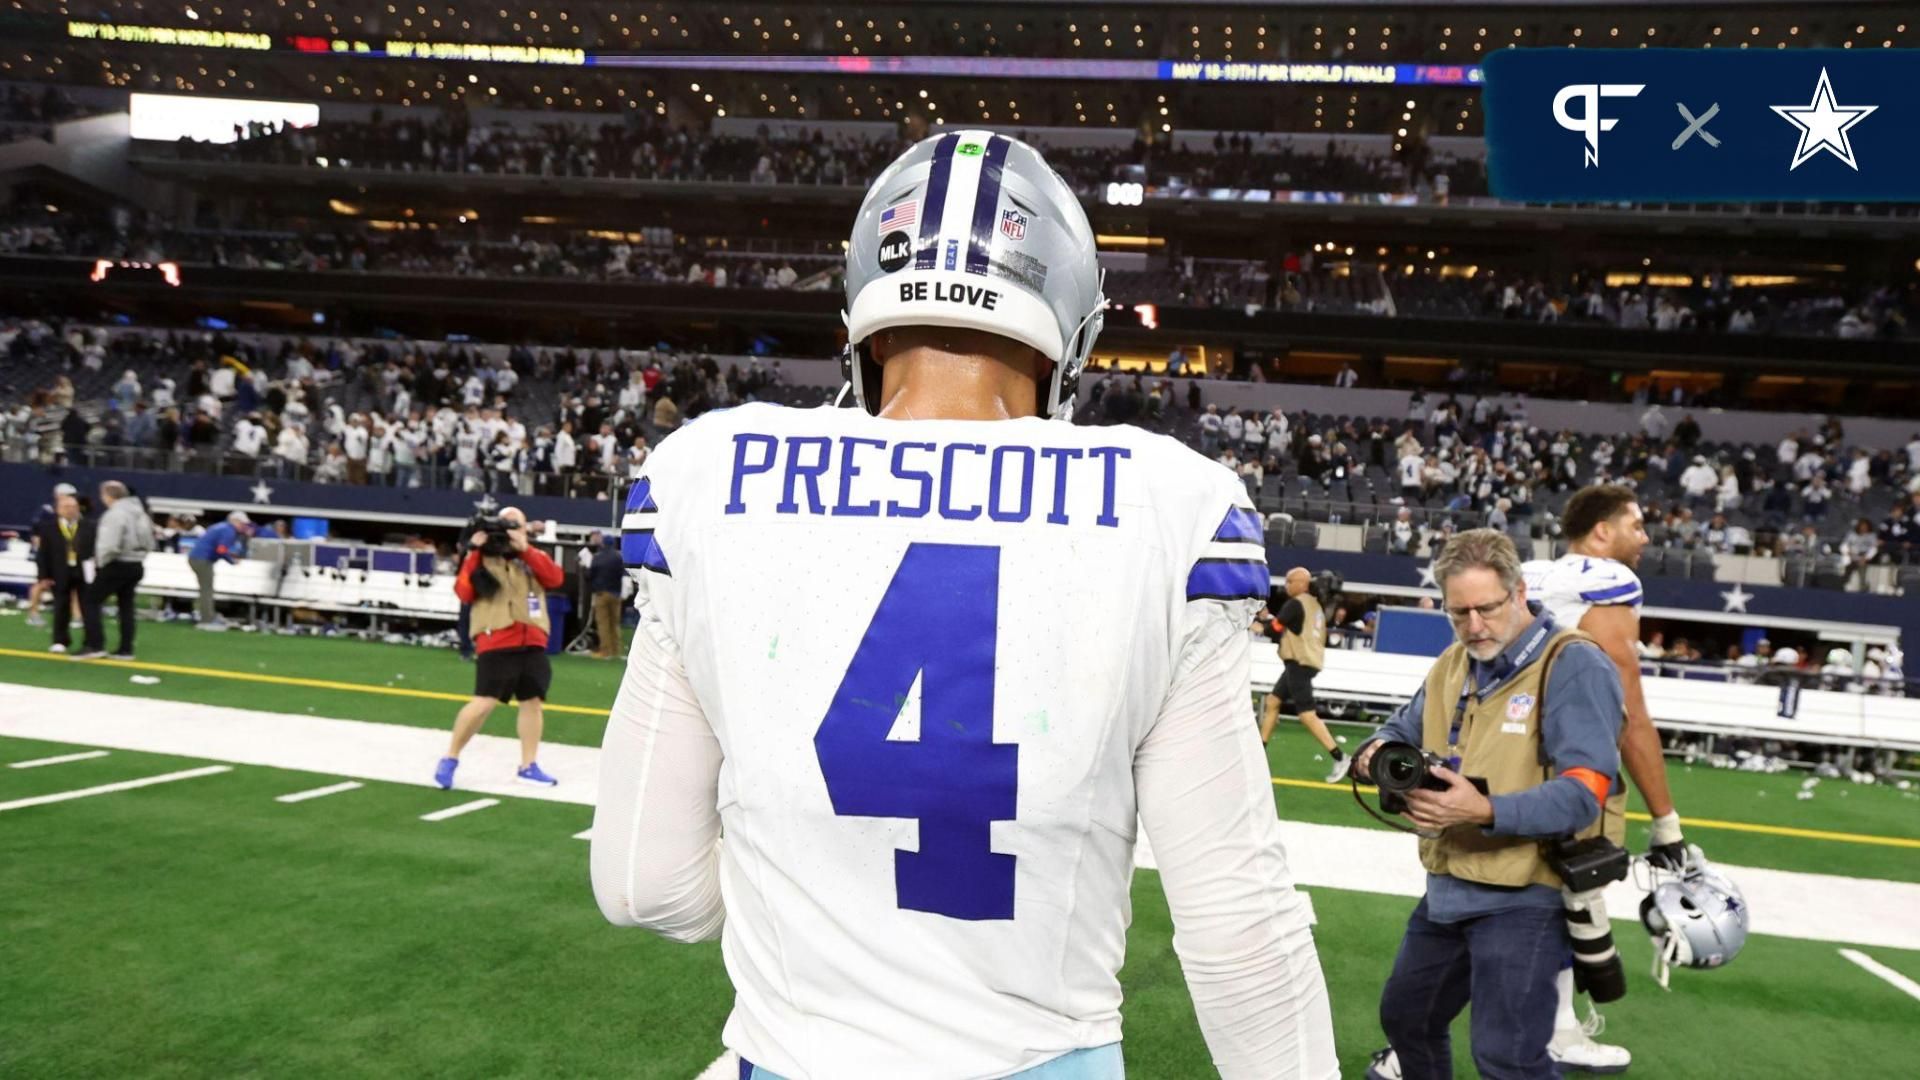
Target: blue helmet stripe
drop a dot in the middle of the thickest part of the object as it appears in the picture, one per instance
(986, 200)
(935, 202)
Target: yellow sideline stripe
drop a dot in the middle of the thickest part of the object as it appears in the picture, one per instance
(1704, 823)
(439, 695)
(279, 680)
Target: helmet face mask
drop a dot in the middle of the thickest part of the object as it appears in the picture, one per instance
(973, 229)
(1697, 921)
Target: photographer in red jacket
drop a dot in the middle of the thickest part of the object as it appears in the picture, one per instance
(505, 580)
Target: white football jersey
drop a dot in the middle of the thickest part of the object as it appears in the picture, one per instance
(1571, 584)
(930, 653)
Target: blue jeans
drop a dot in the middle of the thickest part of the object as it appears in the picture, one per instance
(1505, 964)
(1095, 1063)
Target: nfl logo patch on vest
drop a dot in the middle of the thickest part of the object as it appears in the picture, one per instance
(1013, 224)
(1518, 706)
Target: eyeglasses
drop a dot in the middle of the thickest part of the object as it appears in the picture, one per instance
(1485, 611)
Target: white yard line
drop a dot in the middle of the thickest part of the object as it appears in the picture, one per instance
(108, 789)
(319, 792)
(724, 1067)
(1814, 907)
(1900, 982)
(350, 749)
(584, 834)
(61, 760)
(463, 808)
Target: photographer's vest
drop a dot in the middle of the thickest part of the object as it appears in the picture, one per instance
(510, 603)
(1500, 743)
(1308, 648)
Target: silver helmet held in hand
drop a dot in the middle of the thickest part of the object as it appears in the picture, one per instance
(1698, 920)
(974, 229)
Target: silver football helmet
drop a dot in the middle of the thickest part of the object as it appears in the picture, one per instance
(1698, 920)
(974, 229)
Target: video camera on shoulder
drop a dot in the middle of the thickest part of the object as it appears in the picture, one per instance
(1400, 768)
(1326, 586)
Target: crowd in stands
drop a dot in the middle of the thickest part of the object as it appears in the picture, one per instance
(1712, 305)
(475, 252)
(642, 150)
(534, 420)
(29, 112)
(514, 420)
(646, 149)
(1453, 463)
(1303, 284)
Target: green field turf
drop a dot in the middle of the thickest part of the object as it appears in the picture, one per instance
(1700, 792)
(202, 929)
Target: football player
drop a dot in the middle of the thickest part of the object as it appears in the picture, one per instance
(1594, 587)
(922, 662)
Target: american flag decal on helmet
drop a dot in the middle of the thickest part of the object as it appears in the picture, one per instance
(900, 215)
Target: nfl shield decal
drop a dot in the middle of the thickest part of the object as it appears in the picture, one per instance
(1518, 706)
(1013, 224)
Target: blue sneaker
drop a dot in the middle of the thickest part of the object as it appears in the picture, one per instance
(443, 772)
(533, 774)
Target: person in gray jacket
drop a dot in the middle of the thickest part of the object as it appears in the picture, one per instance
(124, 537)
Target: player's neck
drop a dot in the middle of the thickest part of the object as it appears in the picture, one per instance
(1588, 549)
(928, 384)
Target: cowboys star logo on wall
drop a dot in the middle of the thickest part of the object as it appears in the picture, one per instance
(1013, 224)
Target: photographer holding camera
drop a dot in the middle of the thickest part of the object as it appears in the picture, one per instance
(1509, 749)
(505, 580)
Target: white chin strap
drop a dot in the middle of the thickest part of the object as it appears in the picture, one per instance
(1666, 954)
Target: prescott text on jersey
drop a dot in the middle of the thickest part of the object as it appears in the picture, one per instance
(851, 476)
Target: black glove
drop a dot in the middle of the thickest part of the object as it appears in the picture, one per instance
(1666, 849)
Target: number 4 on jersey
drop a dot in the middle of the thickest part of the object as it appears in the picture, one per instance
(936, 621)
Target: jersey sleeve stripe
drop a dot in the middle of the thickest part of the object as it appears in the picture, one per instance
(1617, 594)
(1228, 579)
(641, 496)
(1240, 526)
(640, 550)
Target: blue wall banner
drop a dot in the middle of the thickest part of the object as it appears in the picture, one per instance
(1703, 125)
(24, 488)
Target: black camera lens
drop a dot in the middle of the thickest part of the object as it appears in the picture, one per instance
(1398, 767)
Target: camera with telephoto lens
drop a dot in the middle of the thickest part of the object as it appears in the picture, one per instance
(498, 545)
(1586, 868)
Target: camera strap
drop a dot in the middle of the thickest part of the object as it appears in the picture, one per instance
(1353, 783)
